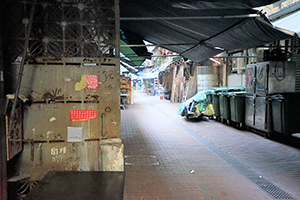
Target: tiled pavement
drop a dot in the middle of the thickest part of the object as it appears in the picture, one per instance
(161, 149)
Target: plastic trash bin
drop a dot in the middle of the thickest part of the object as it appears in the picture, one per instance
(224, 107)
(216, 104)
(221, 103)
(237, 107)
(285, 111)
(209, 94)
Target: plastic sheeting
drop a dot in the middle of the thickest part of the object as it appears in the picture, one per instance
(200, 97)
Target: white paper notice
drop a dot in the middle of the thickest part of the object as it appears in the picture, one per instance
(74, 134)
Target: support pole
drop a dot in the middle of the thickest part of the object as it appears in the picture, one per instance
(24, 55)
(3, 163)
(117, 28)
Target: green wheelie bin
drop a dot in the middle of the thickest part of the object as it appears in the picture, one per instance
(221, 103)
(216, 104)
(209, 94)
(224, 107)
(237, 108)
(285, 113)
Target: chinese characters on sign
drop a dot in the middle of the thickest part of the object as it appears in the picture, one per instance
(91, 81)
(82, 115)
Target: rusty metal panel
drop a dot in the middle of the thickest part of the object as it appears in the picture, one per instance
(14, 137)
(60, 156)
(69, 96)
(68, 83)
(71, 78)
(64, 28)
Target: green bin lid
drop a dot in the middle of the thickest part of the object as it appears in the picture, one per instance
(229, 89)
(209, 91)
(240, 93)
(277, 97)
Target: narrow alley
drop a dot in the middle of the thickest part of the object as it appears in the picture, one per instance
(169, 157)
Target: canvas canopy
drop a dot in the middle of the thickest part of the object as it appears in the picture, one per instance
(199, 29)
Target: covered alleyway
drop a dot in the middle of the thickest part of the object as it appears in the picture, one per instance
(168, 157)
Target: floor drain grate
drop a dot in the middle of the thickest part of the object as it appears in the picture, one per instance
(271, 189)
(211, 198)
(141, 160)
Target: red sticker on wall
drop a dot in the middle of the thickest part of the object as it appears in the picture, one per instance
(82, 115)
(91, 81)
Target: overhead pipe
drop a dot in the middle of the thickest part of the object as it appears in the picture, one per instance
(258, 56)
(188, 17)
(154, 45)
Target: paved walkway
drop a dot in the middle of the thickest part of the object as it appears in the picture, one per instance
(168, 157)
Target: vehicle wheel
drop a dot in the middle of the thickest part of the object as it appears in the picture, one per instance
(199, 118)
(228, 122)
(267, 135)
(222, 120)
(188, 116)
(183, 113)
(211, 117)
(241, 126)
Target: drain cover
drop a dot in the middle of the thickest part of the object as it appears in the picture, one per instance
(141, 160)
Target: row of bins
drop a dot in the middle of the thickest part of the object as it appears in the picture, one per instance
(229, 106)
(285, 110)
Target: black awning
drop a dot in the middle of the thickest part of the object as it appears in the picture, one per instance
(249, 33)
(199, 29)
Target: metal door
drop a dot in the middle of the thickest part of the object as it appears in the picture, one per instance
(260, 114)
(249, 111)
(261, 79)
(282, 77)
(250, 79)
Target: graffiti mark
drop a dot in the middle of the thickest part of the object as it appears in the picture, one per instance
(74, 147)
(58, 158)
(105, 76)
(56, 92)
(58, 154)
(72, 162)
(57, 151)
(110, 87)
(48, 133)
(54, 151)
(108, 75)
